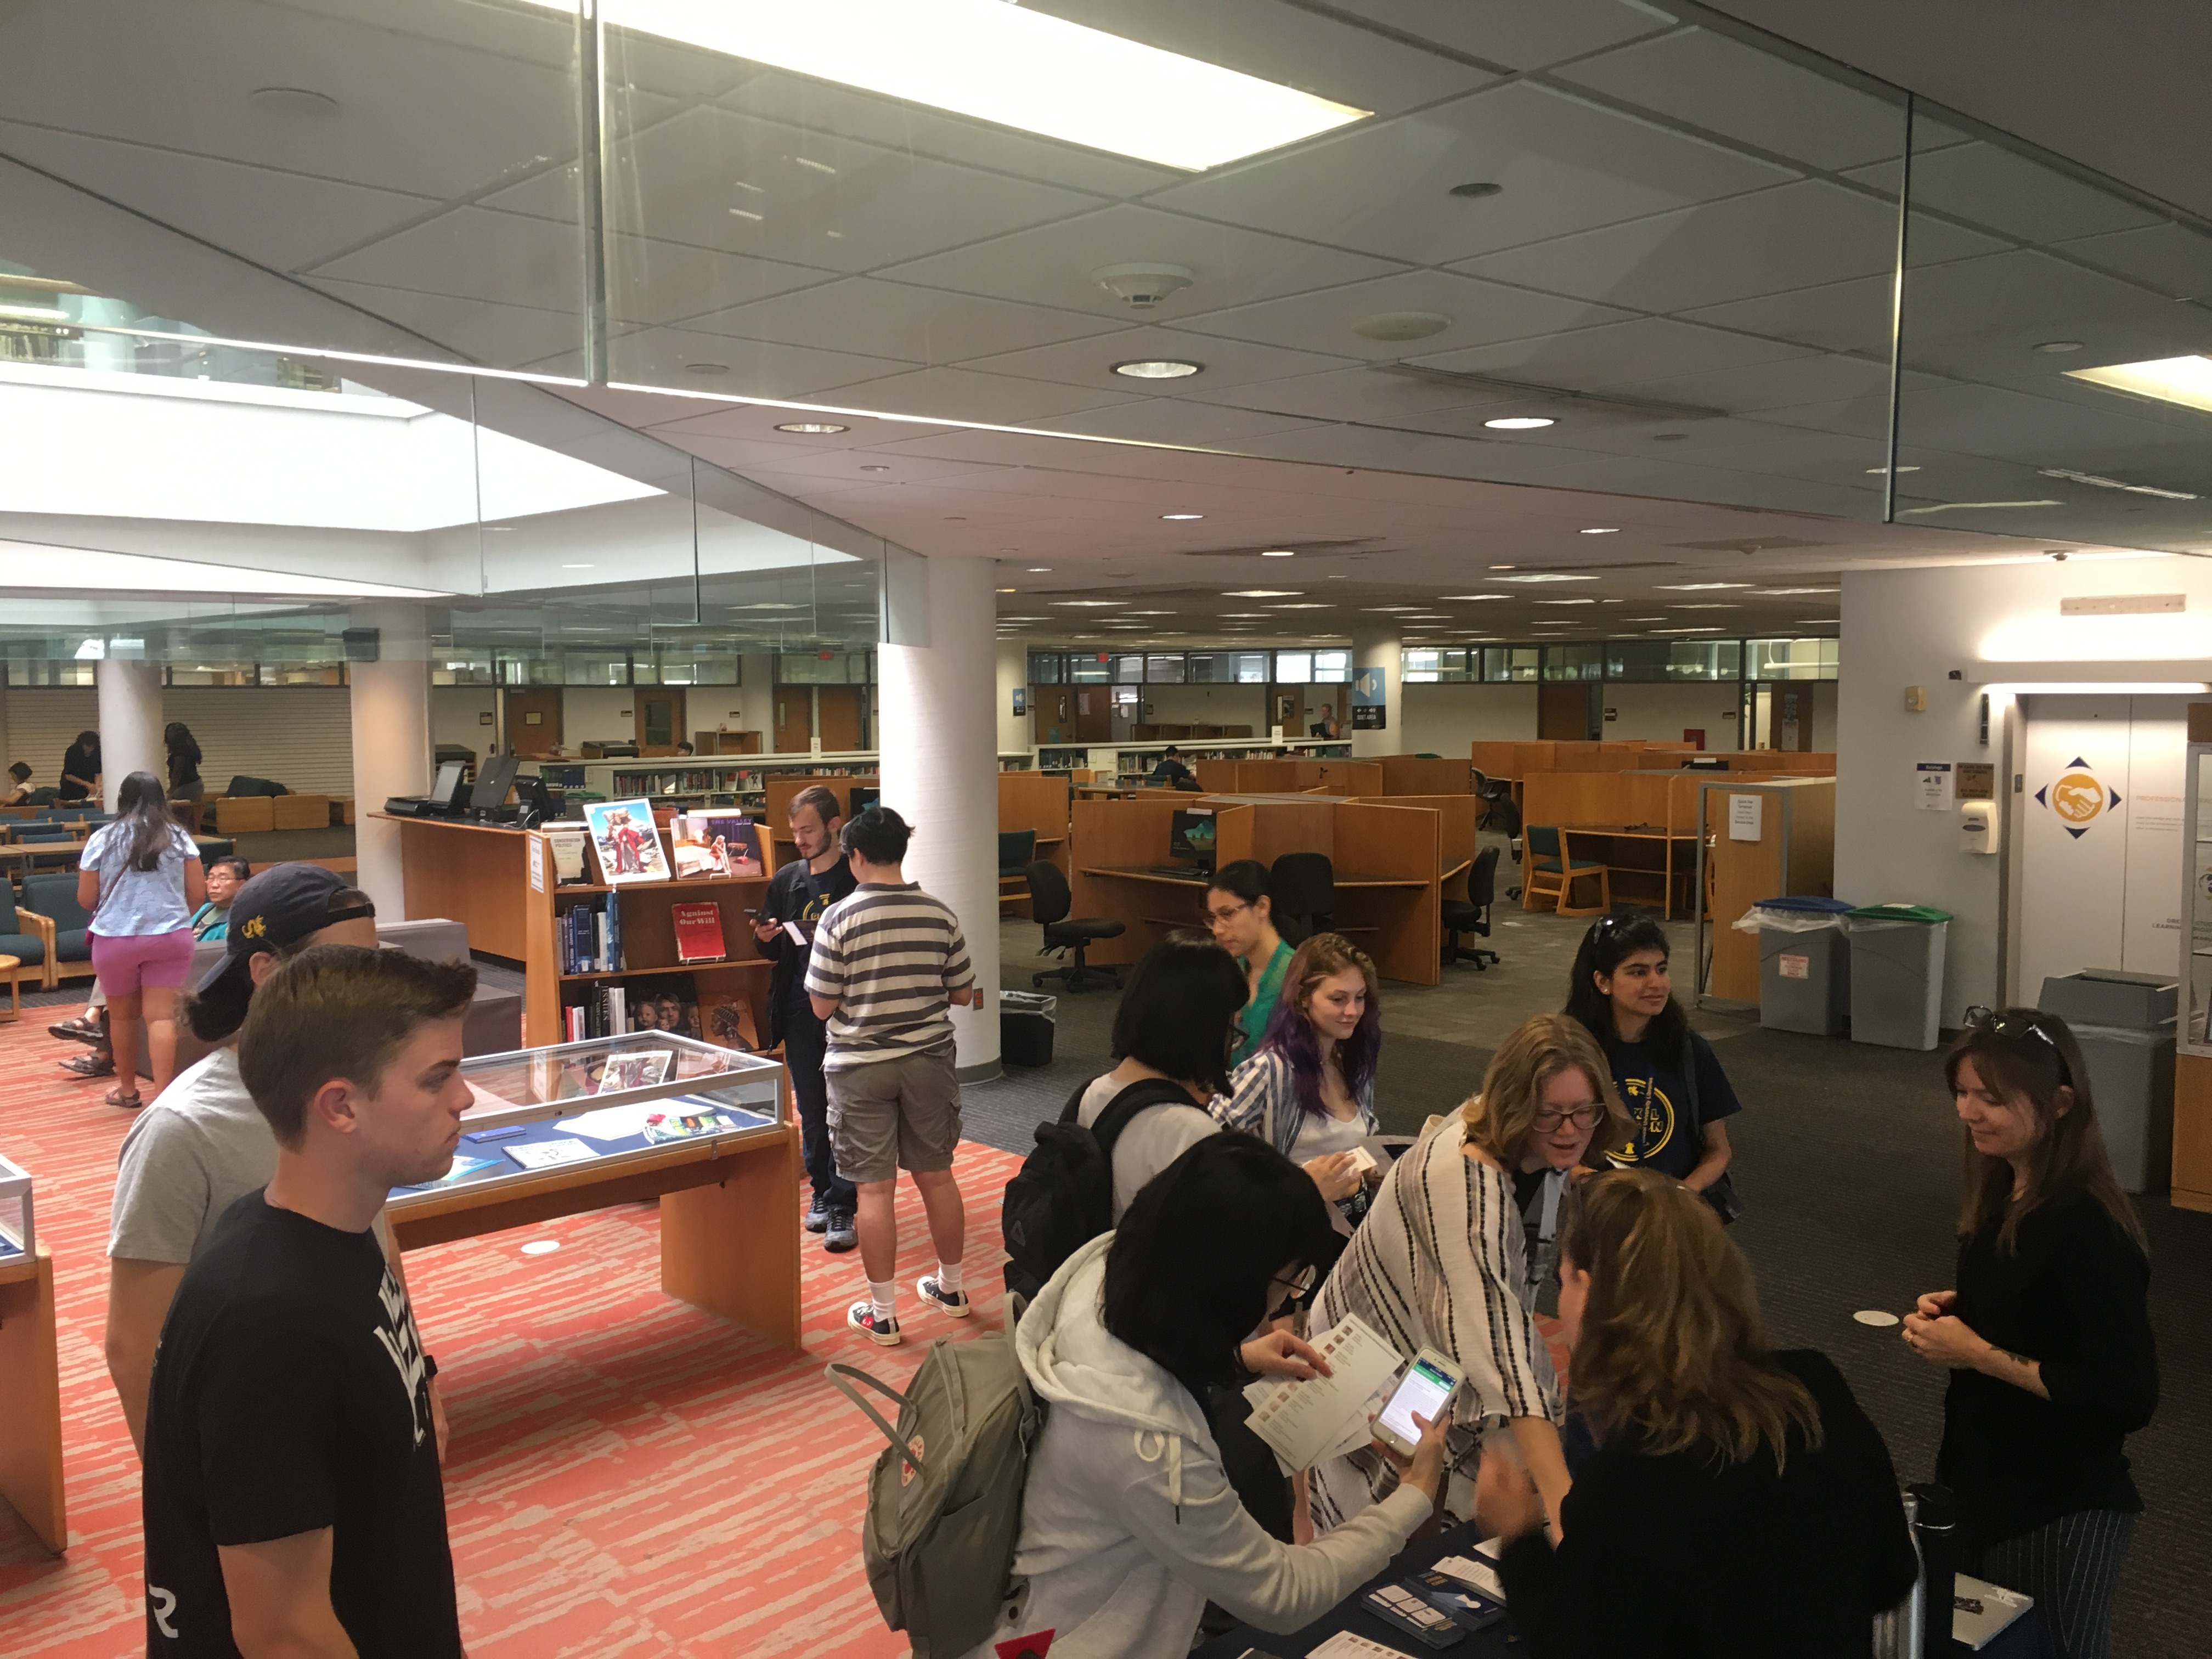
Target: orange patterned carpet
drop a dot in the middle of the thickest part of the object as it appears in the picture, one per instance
(628, 1475)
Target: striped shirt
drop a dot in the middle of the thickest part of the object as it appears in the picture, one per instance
(888, 955)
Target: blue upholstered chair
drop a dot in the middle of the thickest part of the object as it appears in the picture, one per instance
(20, 938)
(50, 897)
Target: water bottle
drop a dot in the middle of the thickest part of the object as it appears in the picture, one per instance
(1936, 1530)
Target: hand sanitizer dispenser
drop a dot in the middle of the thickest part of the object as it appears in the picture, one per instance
(1978, 826)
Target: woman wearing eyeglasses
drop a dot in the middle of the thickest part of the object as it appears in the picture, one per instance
(1241, 917)
(1130, 1524)
(1442, 1258)
(2047, 1336)
(1677, 1096)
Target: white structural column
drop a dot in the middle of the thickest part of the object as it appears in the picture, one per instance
(391, 743)
(1377, 648)
(129, 724)
(938, 741)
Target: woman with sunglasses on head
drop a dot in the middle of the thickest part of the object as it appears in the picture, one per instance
(1704, 1430)
(1130, 1524)
(1241, 917)
(1678, 1098)
(2047, 1336)
(1442, 1258)
(1309, 1090)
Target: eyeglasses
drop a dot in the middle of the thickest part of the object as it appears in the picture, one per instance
(1583, 1117)
(1220, 917)
(1295, 1288)
(2014, 1027)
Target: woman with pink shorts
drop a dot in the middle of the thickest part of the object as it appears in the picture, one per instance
(140, 878)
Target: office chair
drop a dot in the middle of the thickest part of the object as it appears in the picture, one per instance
(1303, 889)
(1016, 849)
(1050, 903)
(1472, 914)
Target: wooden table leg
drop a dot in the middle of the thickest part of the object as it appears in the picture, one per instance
(733, 1248)
(31, 1387)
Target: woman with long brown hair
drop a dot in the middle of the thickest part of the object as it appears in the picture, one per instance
(1441, 1259)
(2047, 1336)
(1762, 1462)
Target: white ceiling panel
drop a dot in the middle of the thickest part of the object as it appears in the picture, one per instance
(1748, 388)
(1566, 165)
(1174, 421)
(2015, 196)
(1803, 234)
(1724, 86)
(425, 116)
(1288, 45)
(2022, 289)
(1365, 392)
(1514, 33)
(755, 368)
(964, 394)
(2175, 258)
(285, 221)
(1480, 314)
(1987, 420)
(497, 334)
(1090, 363)
(1616, 355)
(1051, 264)
(1853, 316)
(894, 319)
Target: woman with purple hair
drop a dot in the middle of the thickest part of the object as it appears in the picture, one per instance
(1309, 1088)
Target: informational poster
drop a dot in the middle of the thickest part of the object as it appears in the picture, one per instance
(1978, 779)
(1744, 816)
(1371, 699)
(1021, 700)
(1932, 785)
(536, 865)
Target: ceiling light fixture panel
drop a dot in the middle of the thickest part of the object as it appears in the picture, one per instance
(1263, 593)
(1158, 368)
(1548, 576)
(2186, 380)
(811, 428)
(1519, 423)
(1695, 587)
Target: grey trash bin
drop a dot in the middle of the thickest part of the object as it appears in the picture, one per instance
(1804, 965)
(2125, 1024)
(1026, 1023)
(1897, 974)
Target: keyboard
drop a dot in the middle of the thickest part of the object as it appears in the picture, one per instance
(1180, 871)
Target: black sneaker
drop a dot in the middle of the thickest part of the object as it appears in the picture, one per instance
(842, 1238)
(952, 1302)
(817, 1217)
(861, 1316)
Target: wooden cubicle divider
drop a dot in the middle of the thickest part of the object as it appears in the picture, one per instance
(1419, 774)
(1389, 866)
(1795, 853)
(1457, 818)
(1109, 840)
(1032, 801)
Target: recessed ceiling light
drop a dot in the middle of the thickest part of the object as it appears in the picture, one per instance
(1387, 609)
(1603, 530)
(1695, 587)
(1148, 613)
(1180, 518)
(1009, 65)
(1548, 576)
(811, 428)
(1040, 570)
(1519, 423)
(1505, 567)
(874, 469)
(706, 368)
(2054, 347)
(1643, 619)
(2171, 379)
(1241, 614)
(1401, 325)
(1882, 472)
(1159, 368)
(1478, 188)
(1264, 593)
(1816, 621)
(1009, 590)
(1278, 553)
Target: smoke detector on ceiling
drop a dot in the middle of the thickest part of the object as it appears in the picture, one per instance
(1144, 284)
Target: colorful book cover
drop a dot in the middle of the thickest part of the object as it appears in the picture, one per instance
(627, 841)
(726, 1017)
(698, 932)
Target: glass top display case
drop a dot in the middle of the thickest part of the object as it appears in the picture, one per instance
(2196, 900)
(18, 1230)
(607, 1102)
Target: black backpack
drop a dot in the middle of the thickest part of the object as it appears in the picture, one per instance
(1062, 1197)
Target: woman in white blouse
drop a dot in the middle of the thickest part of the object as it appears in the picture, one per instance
(1441, 1259)
(1309, 1088)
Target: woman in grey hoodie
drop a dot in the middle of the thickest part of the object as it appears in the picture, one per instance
(1129, 1524)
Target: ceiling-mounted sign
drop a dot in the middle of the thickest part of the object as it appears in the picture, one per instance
(1371, 699)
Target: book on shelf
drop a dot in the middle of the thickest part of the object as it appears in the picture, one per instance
(589, 938)
(726, 1017)
(698, 932)
(662, 1003)
(567, 846)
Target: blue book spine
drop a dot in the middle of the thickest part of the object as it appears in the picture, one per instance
(614, 963)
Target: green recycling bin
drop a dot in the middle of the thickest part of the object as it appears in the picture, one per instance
(1897, 974)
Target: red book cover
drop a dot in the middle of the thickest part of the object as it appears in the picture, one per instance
(698, 932)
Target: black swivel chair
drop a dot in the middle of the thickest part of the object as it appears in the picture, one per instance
(1050, 903)
(1472, 914)
(1302, 887)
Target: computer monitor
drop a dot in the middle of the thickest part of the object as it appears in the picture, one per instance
(863, 798)
(446, 793)
(1190, 835)
(543, 803)
(494, 779)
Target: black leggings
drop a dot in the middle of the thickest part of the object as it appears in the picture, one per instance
(2071, 1566)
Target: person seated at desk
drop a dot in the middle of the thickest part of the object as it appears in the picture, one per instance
(1171, 770)
(18, 793)
(1240, 915)
(1777, 1492)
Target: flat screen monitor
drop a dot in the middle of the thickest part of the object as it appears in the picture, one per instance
(863, 798)
(494, 779)
(1190, 835)
(446, 791)
(533, 793)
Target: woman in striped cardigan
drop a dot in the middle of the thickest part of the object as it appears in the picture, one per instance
(1441, 1259)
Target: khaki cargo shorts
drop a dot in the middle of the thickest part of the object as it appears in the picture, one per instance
(892, 1114)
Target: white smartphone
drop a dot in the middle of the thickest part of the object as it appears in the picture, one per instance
(1426, 1387)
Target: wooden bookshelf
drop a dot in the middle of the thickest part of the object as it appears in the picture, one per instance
(648, 941)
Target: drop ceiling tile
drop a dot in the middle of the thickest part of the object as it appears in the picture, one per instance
(717, 179)
(1747, 388)
(1566, 165)
(756, 368)
(1614, 355)
(1512, 32)
(961, 394)
(1287, 44)
(2174, 258)
(1740, 93)
(480, 332)
(1798, 236)
(1365, 392)
(1853, 316)
(1089, 361)
(2013, 196)
(1178, 420)
(1478, 313)
(463, 98)
(920, 325)
(1051, 264)
(2025, 291)
(1996, 421)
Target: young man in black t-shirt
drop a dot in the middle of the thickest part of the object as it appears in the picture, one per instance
(293, 1500)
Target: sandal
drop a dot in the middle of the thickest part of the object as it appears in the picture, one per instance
(79, 1030)
(126, 1098)
(99, 1063)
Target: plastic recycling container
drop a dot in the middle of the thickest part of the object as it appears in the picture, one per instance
(1026, 1021)
(2125, 1025)
(1897, 974)
(1804, 965)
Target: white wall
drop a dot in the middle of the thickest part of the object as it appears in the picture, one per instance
(454, 712)
(590, 713)
(1208, 705)
(1442, 720)
(1911, 628)
(43, 721)
(1661, 713)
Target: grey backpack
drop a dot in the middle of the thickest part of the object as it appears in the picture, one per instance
(944, 1497)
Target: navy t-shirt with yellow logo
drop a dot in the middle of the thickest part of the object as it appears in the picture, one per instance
(1670, 1117)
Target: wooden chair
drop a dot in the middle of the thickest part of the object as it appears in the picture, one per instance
(1552, 871)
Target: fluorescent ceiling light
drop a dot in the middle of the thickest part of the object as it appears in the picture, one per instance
(1778, 592)
(1974, 506)
(1264, 593)
(2185, 381)
(1388, 609)
(1546, 576)
(1278, 553)
(1568, 602)
(812, 427)
(1699, 588)
(1471, 597)
(1310, 604)
(1180, 518)
(2111, 688)
(1040, 570)
(1603, 530)
(1882, 472)
(2113, 483)
(1019, 68)
(1088, 602)
(1518, 422)
(1685, 630)
(1643, 619)
(1703, 607)
(1159, 368)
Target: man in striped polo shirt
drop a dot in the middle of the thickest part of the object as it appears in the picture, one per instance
(887, 961)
